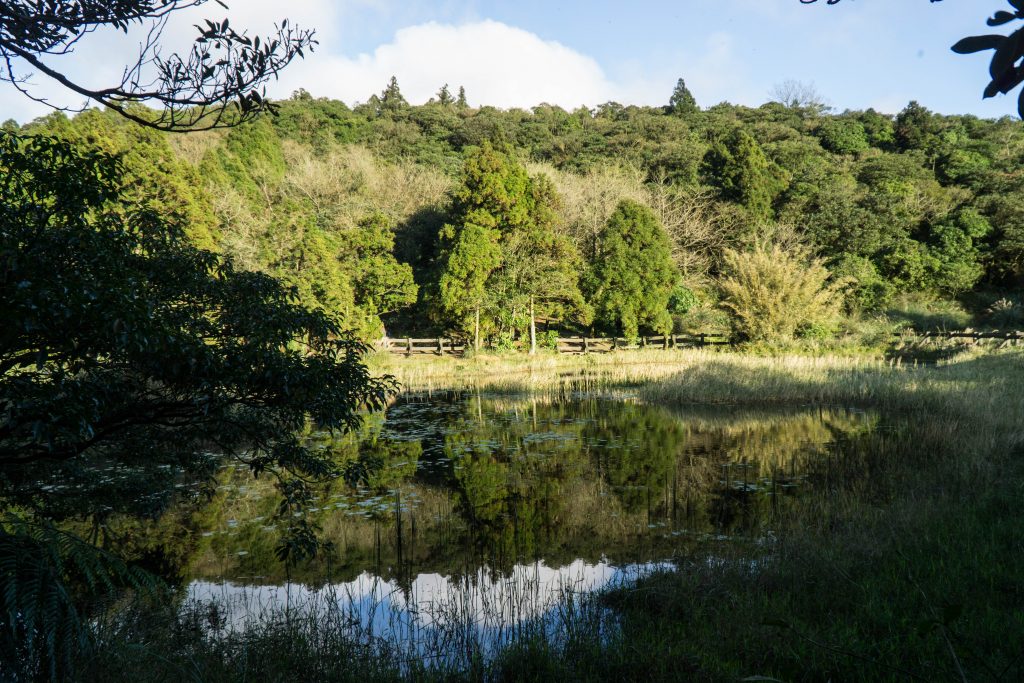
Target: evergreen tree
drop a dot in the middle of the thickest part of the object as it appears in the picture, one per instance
(380, 284)
(744, 174)
(497, 202)
(461, 103)
(444, 96)
(540, 265)
(842, 136)
(682, 102)
(634, 276)
(914, 128)
(471, 259)
(392, 100)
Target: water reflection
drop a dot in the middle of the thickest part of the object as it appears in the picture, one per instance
(456, 484)
(479, 611)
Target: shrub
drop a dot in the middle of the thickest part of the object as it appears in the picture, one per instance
(1005, 312)
(868, 290)
(773, 294)
(548, 340)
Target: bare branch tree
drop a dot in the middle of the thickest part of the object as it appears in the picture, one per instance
(798, 95)
(221, 81)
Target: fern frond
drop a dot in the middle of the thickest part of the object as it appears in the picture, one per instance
(46, 576)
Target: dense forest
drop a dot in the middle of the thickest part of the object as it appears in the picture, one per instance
(445, 217)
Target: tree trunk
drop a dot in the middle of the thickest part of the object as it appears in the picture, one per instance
(476, 330)
(533, 330)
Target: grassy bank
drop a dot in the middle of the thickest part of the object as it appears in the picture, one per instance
(903, 563)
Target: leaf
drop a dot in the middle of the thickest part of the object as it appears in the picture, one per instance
(1001, 18)
(951, 613)
(973, 44)
(1006, 55)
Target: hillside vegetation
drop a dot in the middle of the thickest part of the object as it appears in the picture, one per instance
(620, 219)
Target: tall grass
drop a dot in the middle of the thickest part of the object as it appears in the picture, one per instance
(904, 567)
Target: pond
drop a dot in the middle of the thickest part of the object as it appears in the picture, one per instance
(490, 510)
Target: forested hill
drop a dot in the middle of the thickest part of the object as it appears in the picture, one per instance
(438, 216)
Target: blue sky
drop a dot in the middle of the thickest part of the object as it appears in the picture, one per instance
(858, 54)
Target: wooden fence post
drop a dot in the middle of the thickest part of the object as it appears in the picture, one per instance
(586, 349)
(408, 346)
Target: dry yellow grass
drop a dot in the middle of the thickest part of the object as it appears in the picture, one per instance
(979, 387)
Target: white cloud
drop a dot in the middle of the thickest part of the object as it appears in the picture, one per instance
(499, 65)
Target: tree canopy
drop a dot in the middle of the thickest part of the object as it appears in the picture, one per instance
(505, 220)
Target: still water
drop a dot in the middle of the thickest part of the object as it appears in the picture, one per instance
(488, 511)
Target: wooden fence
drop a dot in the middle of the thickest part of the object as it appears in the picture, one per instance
(578, 345)
(440, 346)
(437, 346)
(1005, 338)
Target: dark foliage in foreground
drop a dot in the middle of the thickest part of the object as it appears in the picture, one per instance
(132, 364)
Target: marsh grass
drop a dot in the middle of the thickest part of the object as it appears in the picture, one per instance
(903, 562)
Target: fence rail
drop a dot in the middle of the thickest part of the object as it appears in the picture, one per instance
(1007, 337)
(579, 345)
(441, 346)
(437, 346)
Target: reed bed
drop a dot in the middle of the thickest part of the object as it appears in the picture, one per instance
(972, 385)
(546, 372)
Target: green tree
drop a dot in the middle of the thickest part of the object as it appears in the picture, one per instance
(381, 284)
(954, 246)
(472, 256)
(879, 129)
(842, 135)
(497, 202)
(540, 265)
(914, 128)
(444, 96)
(739, 168)
(634, 276)
(682, 102)
(391, 99)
